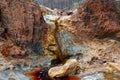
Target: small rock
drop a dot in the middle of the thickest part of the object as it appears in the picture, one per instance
(59, 71)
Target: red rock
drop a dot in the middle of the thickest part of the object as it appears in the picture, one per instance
(97, 18)
(23, 23)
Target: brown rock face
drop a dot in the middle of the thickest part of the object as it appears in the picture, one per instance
(93, 31)
(22, 22)
(97, 18)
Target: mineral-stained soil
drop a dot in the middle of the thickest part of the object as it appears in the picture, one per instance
(21, 22)
(97, 23)
(94, 19)
(98, 18)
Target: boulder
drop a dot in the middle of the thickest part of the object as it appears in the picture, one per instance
(69, 67)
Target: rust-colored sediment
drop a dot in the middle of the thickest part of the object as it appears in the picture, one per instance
(41, 74)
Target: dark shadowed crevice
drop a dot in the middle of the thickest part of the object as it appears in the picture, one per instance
(3, 31)
(0, 18)
(6, 30)
(2, 37)
(35, 45)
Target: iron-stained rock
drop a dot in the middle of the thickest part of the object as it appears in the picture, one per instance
(23, 23)
(97, 18)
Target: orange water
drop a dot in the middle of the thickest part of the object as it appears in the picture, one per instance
(42, 75)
